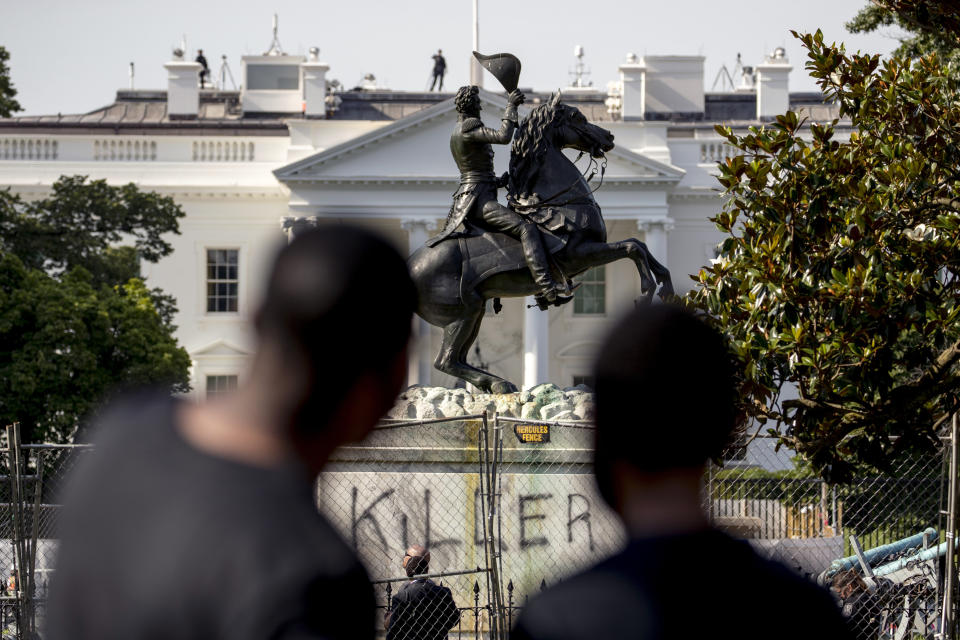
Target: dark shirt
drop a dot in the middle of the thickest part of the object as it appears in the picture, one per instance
(161, 540)
(422, 610)
(700, 585)
(203, 62)
(471, 146)
(439, 64)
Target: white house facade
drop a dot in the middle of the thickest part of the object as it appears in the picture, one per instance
(246, 165)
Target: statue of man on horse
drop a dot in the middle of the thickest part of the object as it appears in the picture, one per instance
(552, 231)
(476, 198)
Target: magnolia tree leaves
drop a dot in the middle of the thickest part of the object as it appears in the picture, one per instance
(838, 281)
(931, 26)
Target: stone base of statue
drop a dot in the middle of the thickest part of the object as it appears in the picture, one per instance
(424, 476)
(544, 402)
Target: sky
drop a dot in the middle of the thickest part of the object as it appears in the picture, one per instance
(71, 57)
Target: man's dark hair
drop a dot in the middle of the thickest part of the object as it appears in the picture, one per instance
(466, 99)
(665, 392)
(341, 297)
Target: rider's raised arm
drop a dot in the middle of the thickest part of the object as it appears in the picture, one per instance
(503, 135)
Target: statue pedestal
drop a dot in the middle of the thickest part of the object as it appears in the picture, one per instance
(543, 402)
(430, 483)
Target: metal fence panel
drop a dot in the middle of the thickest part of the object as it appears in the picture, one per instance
(509, 506)
(792, 516)
(552, 521)
(419, 482)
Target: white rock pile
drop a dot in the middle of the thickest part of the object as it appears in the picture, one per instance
(543, 402)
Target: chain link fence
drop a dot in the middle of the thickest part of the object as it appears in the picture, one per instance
(552, 521)
(508, 507)
(875, 543)
(421, 483)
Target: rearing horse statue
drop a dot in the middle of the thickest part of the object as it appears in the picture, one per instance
(456, 277)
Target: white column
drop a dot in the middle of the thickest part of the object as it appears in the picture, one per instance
(536, 345)
(315, 88)
(420, 366)
(183, 88)
(632, 93)
(655, 232)
(773, 86)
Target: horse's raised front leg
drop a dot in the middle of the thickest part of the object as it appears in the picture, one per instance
(458, 336)
(660, 272)
(593, 254)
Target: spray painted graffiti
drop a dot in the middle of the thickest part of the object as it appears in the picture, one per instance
(544, 522)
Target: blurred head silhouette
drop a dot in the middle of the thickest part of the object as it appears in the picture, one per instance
(665, 394)
(333, 331)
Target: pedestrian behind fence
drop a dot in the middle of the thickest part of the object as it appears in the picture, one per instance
(665, 405)
(422, 609)
(199, 521)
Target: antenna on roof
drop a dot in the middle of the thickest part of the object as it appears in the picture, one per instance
(726, 79)
(580, 70)
(275, 48)
(225, 73)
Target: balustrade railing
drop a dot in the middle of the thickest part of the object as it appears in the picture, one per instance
(124, 150)
(223, 151)
(713, 152)
(28, 149)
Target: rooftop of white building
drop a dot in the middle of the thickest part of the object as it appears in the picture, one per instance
(277, 88)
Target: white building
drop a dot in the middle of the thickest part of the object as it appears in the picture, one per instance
(245, 163)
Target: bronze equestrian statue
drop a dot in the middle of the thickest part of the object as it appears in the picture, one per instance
(476, 198)
(552, 231)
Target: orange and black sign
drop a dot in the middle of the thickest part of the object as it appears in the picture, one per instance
(532, 433)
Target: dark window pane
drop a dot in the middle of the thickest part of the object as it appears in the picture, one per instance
(222, 280)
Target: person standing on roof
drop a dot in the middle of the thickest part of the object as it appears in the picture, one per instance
(439, 69)
(205, 69)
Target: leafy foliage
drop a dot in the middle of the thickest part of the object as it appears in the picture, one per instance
(8, 105)
(83, 222)
(76, 321)
(838, 281)
(934, 26)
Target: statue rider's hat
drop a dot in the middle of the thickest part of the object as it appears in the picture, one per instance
(505, 67)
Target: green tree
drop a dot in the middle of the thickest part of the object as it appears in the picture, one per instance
(8, 105)
(83, 222)
(76, 320)
(839, 281)
(933, 26)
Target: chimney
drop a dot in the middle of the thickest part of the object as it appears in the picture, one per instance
(631, 88)
(673, 85)
(315, 85)
(183, 87)
(773, 91)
